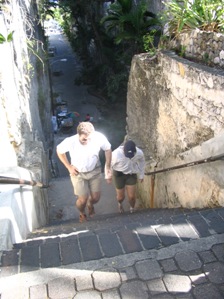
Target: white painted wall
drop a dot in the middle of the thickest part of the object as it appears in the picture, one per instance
(22, 208)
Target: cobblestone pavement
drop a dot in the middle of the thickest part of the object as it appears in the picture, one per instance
(149, 254)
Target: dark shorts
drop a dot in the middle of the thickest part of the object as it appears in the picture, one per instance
(121, 180)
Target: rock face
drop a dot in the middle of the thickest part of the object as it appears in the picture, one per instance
(175, 114)
(25, 92)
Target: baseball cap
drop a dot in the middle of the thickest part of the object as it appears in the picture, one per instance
(129, 149)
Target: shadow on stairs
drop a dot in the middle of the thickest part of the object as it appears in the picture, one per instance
(67, 242)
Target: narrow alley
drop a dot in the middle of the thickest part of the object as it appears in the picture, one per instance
(150, 254)
(61, 197)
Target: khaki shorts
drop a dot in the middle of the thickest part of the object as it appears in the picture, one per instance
(121, 180)
(86, 182)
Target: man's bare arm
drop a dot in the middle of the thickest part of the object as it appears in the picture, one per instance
(108, 173)
(71, 169)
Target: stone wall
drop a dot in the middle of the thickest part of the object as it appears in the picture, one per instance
(207, 47)
(25, 115)
(25, 91)
(175, 113)
(155, 6)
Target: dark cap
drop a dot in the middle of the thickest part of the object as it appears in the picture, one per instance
(129, 149)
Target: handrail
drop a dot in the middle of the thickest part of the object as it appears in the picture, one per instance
(153, 173)
(207, 160)
(9, 180)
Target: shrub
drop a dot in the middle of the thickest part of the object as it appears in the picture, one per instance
(207, 15)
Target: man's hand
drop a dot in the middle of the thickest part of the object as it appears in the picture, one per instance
(109, 181)
(73, 170)
(108, 174)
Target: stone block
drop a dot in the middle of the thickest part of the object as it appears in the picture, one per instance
(214, 221)
(207, 256)
(134, 289)
(110, 244)
(128, 273)
(156, 286)
(129, 241)
(50, 255)
(205, 291)
(29, 259)
(111, 294)
(167, 234)
(148, 269)
(38, 291)
(84, 282)
(168, 265)
(105, 279)
(90, 247)
(148, 237)
(188, 260)
(61, 288)
(177, 283)
(215, 272)
(218, 250)
(70, 252)
(199, 224)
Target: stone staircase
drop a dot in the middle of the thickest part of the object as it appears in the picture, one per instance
(104, 236)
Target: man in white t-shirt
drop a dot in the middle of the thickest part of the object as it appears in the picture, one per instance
(85, 167)
(128, 164)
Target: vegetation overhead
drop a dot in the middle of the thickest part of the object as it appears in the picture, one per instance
(106, 34)
(206, 15)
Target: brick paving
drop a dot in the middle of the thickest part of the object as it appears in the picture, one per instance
(166, 253)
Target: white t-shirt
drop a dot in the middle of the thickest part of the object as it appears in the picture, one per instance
(128, 166)
(84, 157)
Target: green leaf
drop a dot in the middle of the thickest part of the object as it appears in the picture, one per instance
(2, 39)
(10, 36)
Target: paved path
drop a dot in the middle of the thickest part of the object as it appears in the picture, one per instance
(150, 254)
(61, 197)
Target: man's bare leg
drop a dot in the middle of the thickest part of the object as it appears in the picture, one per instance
(94, 197)
(120, 198)
(81, 205)
(131, 192)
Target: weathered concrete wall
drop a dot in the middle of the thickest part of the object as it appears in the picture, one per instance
(175, 113)
(25, 110)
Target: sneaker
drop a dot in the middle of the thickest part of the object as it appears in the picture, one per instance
(120, 208)
(132, 210)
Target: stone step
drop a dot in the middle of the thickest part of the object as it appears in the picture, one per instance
(108, 236)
